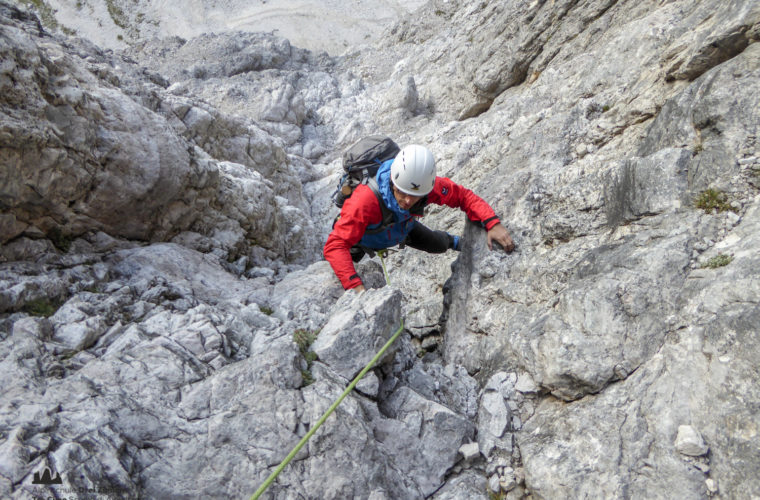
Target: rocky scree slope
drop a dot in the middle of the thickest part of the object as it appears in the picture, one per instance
(319, 25)
(164, 207)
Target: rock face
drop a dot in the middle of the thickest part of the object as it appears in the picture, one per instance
(94, 157)
(168, 327)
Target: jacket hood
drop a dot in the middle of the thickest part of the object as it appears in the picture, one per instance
(383, 178)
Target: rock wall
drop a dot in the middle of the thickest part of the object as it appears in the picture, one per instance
(88, 145)
(168, 328)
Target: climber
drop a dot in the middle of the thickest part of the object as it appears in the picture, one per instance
(405, 184)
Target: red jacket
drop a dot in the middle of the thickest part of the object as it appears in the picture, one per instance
(363, 209)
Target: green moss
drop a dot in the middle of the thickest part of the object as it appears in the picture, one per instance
(719, 260)
(118, 16)
(266, 310)
(43, 307)
(69, 354)
(44, 11)
(712, 199)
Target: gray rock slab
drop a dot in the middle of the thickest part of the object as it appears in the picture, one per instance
(359, 326)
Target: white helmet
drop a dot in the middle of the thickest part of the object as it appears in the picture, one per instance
(413, 170)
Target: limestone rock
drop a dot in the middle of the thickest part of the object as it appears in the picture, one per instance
(689, 442)
(494, 423)
(469, 451)
(468, 485)
(359, 326)
(163, 213)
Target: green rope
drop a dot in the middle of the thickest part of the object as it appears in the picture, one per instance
(382, 253)
(303, 441)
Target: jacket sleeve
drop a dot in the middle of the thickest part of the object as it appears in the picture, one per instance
(358, 212)
(449, 193)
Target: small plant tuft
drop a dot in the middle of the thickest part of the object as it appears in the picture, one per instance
(304, 339)
(42, 307)
(308, 377)
(310, 357)
(45, 12)
(492, 495)
(266, 310)
(712, 199)
(60, 240)
(719, 260)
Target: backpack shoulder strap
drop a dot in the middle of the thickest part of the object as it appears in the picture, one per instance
(388, 218)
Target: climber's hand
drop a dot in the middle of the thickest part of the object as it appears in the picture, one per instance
(499, 234)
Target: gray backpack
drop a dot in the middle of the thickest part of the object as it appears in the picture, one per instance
(360, 164)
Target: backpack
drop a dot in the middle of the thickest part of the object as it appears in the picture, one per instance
(360, 164)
